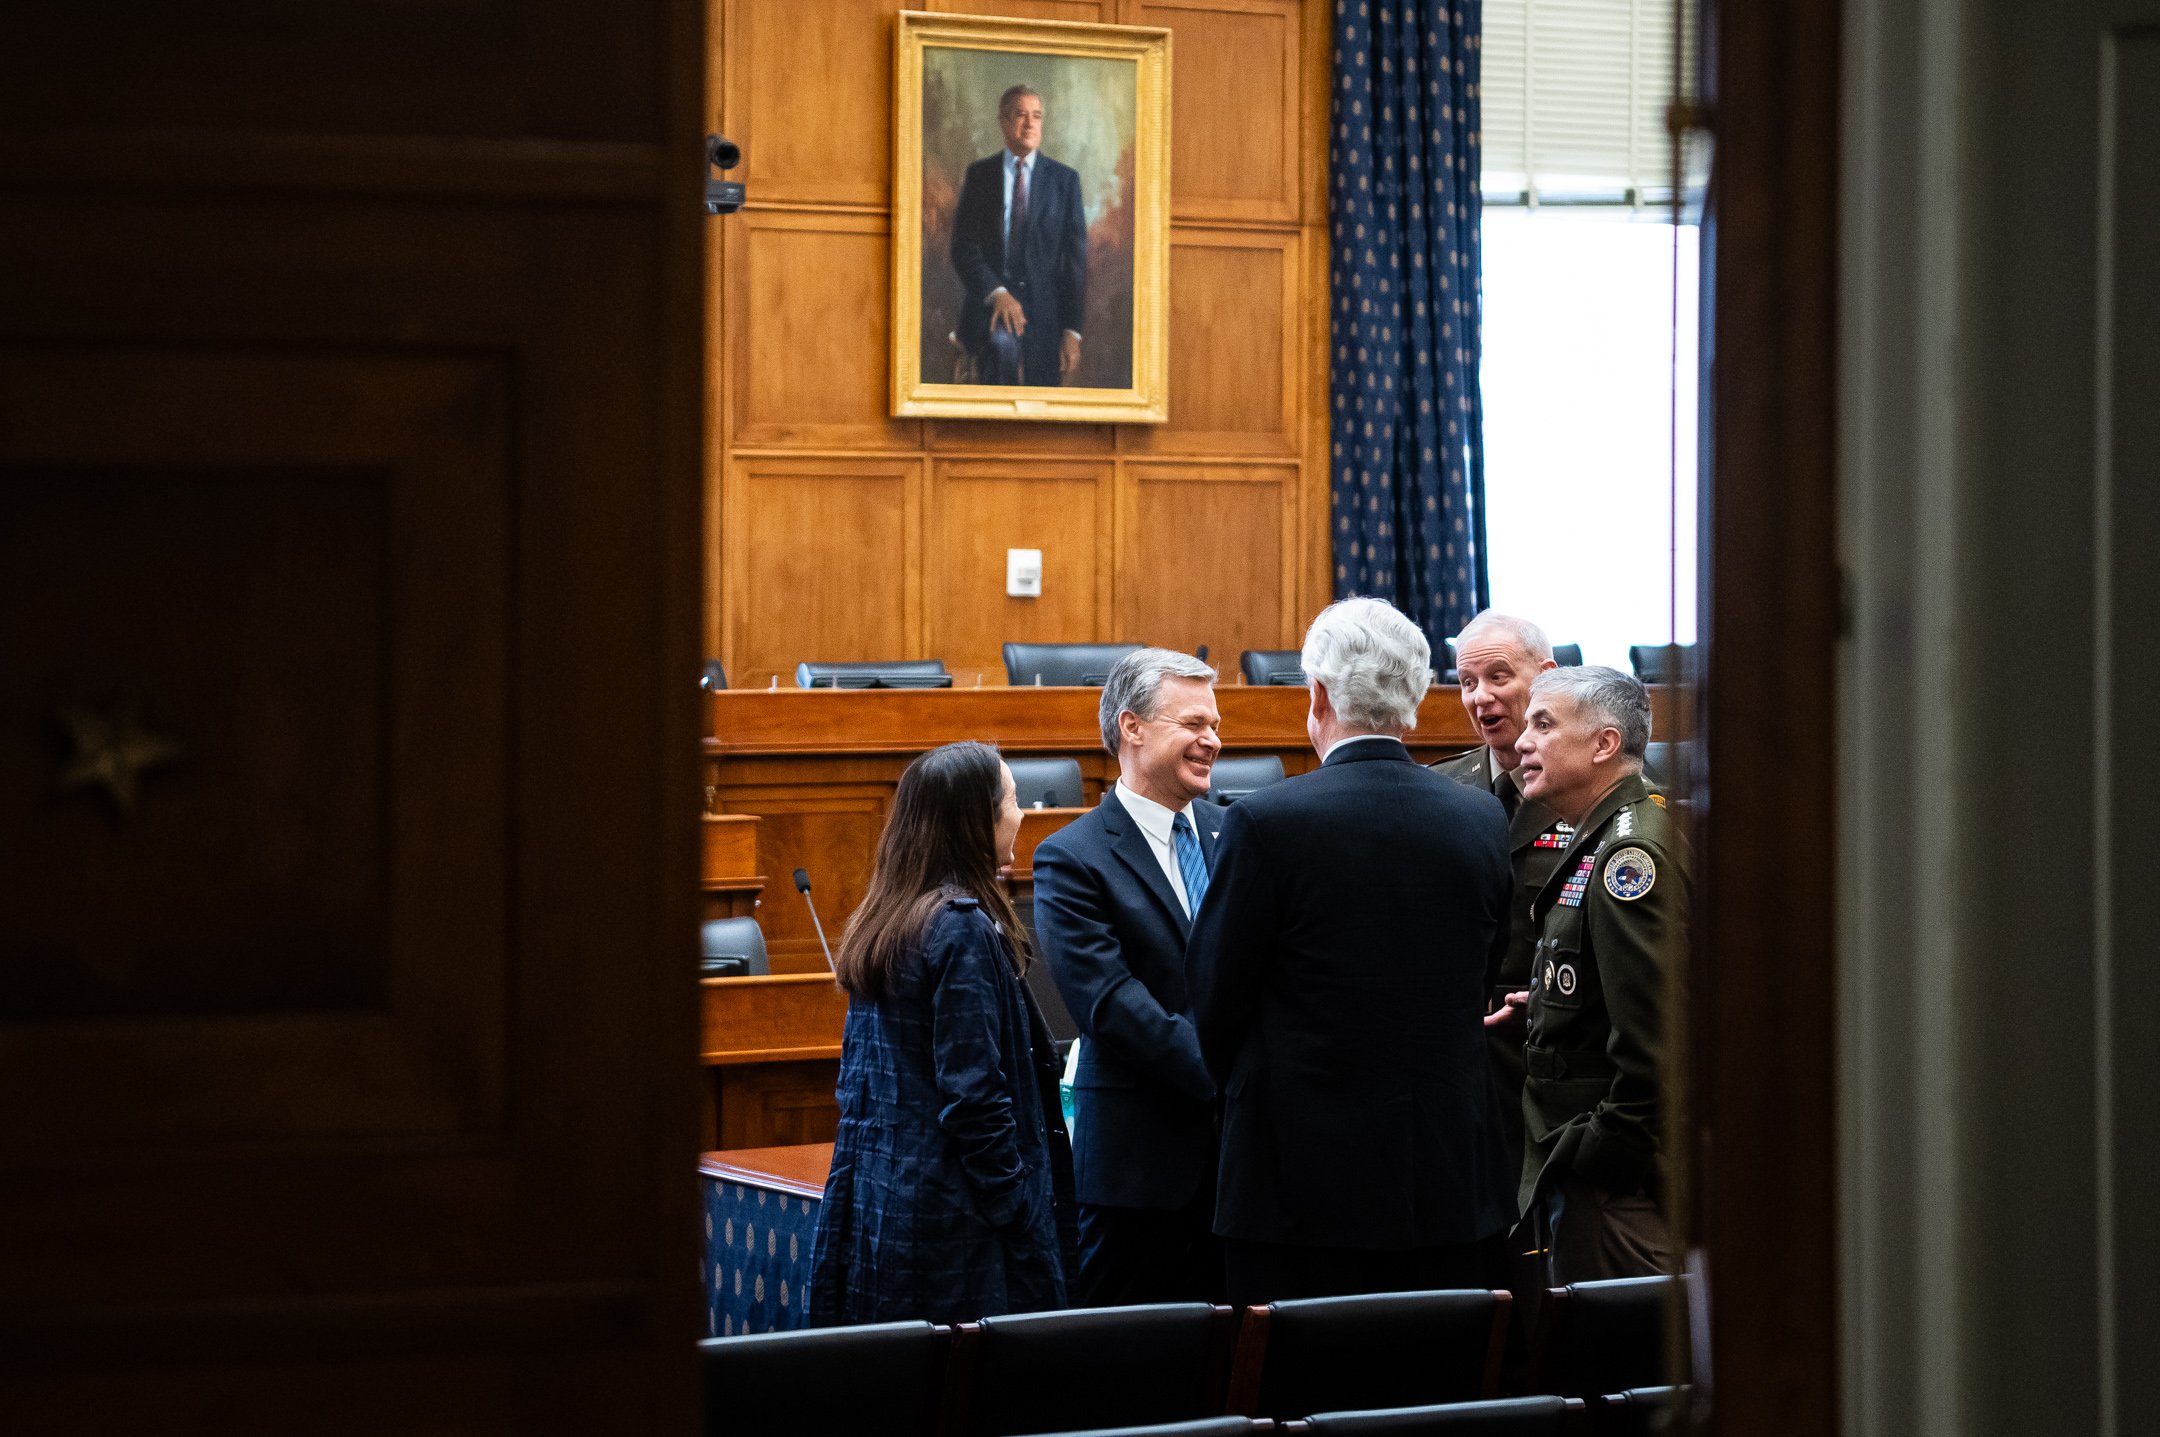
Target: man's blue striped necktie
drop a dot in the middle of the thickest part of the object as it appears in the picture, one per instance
(1191, 866)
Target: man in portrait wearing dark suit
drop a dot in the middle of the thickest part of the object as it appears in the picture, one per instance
(1019, 244)
(1114, 895)
(1339, 973)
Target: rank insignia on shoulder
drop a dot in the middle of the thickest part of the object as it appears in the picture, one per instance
(1630, 874)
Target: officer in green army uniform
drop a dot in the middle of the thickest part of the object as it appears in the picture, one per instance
(1611, 924)
(1496, 657)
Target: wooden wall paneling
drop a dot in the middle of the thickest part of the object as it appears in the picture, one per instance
(980, 508)
(1236, 347)
(824, 563)
(1316, 88)
(772, 1105)
(808, 314)
(391, 321)
(1236, 108)
(1316, 546)
(832, 830)
(1204, 549)
(1083, 12)
(273, 831)
(1018, 437)
(809, 99)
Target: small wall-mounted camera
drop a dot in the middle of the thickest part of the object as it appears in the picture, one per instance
(722, 197)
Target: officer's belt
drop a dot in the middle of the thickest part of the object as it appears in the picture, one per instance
(1551, 1063)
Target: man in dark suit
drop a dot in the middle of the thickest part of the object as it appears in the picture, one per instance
(1114, 895)
(1496, 657)
(1019, 244)
(1339, 973)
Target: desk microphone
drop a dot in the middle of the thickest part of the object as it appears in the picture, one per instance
(802, 886)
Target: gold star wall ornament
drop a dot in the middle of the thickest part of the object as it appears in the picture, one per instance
(113, 752)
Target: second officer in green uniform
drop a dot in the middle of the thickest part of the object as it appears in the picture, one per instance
(1611, 927)
(1496, 657)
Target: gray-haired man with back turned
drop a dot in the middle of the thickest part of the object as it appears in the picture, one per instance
(1339, 972)
(1115, 895)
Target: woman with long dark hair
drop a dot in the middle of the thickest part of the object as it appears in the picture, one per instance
(951, 1189)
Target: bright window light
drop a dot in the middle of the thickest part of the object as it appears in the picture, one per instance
(1587, 532)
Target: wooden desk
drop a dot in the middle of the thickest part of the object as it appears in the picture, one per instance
(761, 1207)
(818, 767)
(771, 1049)
(729, 873)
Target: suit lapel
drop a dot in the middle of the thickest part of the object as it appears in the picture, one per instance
(1131, 847)
(1207, 822)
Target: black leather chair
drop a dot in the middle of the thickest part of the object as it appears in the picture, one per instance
(1599, 1337)
(1662, 663)
(1063, 665)
(1390, 1349)
(732, 948)
(1279, 667)
(1235, 777)
(1047, 782)
(828, 1382)
(711, 676)
(1506, 1417)
(1566, 656)
(1675, 767)
(892, 674)
(1091, 1367)
(1639, 1412)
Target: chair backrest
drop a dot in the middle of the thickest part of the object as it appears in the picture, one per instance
(1063, 665)
(1662, 663)
(1092, 1367)
(886, 1377)
(723, 938)
(1047, 782)
(1235, 777)
(1640, 1411)
(885, 674)
(1566, 656)
(712, 676)
(1504, 1417)
(1272, 666)
(1600, 1337)
(1391, 1349)
(1674, 765)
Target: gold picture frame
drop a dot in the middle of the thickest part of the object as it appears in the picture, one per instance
(1100, 115)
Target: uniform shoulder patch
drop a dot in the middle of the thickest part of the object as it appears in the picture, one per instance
(1629, 874)
(1658, 799)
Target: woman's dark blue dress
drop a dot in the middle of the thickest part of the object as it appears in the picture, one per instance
(951, 1189)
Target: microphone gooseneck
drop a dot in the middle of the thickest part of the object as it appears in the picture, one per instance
(802, 886)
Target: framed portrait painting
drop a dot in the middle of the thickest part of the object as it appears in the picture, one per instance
(1031, 220)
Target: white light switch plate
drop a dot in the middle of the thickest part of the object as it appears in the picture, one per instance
(1023, 573)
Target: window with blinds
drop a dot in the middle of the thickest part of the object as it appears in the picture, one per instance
(1574, 96)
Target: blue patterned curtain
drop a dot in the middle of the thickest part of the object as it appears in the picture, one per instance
(1408, 453)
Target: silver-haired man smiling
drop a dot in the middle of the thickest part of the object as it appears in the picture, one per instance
(1338, 973)
(1115, 892)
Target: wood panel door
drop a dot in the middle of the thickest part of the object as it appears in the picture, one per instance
(349, 381)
